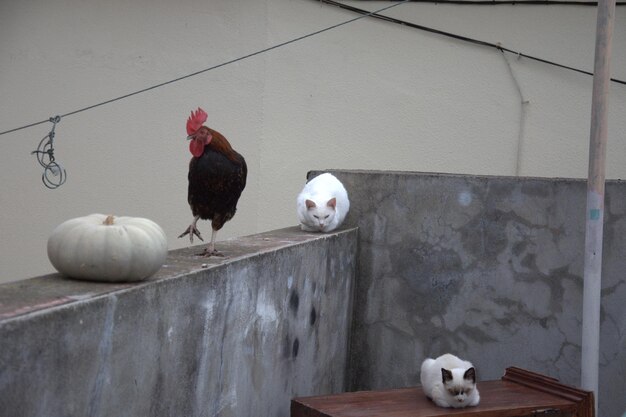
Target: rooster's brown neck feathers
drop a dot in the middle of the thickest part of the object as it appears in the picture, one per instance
(220, 144)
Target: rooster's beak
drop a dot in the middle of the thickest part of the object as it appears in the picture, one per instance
(190, 137)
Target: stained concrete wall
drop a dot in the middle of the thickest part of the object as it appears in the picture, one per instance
(489, 268)
(236, 337)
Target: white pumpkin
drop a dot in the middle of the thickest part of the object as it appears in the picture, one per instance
(106, 248)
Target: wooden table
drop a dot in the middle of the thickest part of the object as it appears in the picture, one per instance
(518, 393)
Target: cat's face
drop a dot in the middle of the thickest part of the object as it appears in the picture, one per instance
(459, 386)
(320, 216)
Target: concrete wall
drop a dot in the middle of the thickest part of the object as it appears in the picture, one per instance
(489, 268)
(238, 337)
(368, 95)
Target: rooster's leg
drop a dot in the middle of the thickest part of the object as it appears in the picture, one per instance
(210, 249)
(192, 230)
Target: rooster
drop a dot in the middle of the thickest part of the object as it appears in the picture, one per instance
(217, 176)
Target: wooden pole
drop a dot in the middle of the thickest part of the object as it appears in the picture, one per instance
(595, 198)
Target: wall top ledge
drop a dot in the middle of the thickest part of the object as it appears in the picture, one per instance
(390, 173)
(39, 294)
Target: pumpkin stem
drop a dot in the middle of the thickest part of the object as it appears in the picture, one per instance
(109, 220)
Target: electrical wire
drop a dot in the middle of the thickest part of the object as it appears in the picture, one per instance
(193, 74)
(513, 2)
(522, 116)
(364, 14)
(458, 37)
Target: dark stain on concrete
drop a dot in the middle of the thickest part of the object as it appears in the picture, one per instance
(294, 302)
(312, 316)
(295, 348)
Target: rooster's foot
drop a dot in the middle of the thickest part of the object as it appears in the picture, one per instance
(191, 230)
(207, 253)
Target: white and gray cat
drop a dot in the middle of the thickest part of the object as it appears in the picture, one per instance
(323, 204)
(450, 381)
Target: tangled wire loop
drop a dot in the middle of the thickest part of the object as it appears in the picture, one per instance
(53, 174)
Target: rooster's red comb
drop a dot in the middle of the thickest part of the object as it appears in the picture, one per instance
(195, 121)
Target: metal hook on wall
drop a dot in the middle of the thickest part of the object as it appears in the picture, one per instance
(54, 175)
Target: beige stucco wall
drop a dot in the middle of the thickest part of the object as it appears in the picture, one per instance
(368, 95)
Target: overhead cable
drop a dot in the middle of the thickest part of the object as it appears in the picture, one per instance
(193, 74)
(497, 46)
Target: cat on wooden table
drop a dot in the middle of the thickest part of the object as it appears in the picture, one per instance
(323, 204)
(450, 381)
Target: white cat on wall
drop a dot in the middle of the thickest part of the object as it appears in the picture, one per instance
(450, 381)
(323, 204)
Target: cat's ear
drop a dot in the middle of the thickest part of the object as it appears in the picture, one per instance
(470, 375)
(310, 204)
(332, 203)
(446, 375)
